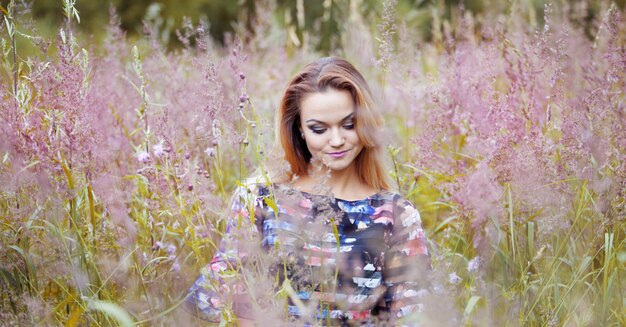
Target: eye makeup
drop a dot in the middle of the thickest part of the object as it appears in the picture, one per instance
(348, 123)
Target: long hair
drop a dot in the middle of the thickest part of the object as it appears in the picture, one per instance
(320, 76)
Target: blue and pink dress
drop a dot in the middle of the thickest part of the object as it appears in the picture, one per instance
(316, 259)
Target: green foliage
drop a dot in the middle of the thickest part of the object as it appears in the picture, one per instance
(322, 21)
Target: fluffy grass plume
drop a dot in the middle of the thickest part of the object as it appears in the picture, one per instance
(118, 160)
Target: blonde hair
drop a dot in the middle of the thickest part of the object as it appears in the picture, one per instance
(320, 76)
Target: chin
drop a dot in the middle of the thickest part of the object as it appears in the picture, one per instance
(338, 167)
(334, 168)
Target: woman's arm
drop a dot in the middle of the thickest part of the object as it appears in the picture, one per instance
(407, 262)
(218, 286)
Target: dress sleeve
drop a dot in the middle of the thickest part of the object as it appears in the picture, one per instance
(218, 286)
(407, 262)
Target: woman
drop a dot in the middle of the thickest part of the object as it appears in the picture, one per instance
(338, 247)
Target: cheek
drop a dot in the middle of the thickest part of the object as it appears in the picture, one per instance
(314, 144)
(354, 139)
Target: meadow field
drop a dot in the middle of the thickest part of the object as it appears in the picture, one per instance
(506, 129)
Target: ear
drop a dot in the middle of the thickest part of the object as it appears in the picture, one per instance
(301, 131)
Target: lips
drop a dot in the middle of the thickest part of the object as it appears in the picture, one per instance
(338, 154)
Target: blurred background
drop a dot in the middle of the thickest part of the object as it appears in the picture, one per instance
(321, 19)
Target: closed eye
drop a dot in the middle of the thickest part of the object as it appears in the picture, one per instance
(317, 130)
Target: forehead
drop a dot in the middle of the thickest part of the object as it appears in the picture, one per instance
(328, 106)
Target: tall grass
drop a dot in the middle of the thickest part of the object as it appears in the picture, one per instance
(119, 159)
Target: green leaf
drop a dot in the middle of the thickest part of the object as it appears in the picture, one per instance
(443, 224)
(621, 257)
(471, 304)
(112, 310)
(272, 204)
(584, 264)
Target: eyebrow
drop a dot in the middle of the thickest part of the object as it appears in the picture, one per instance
(351, 115)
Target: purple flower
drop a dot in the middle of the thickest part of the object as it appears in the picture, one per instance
(171, 249)
(143, 156)
(201, 231)
(158, 150)
(474, 264)
(454, 278)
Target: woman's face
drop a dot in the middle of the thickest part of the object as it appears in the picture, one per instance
(328, 123)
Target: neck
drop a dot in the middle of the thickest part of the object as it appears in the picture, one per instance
(344, 184)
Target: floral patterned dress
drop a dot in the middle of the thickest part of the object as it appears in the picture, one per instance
(331, 261)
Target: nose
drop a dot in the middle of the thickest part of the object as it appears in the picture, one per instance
(336, 138)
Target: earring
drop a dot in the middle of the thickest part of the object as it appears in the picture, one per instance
(302, 134)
